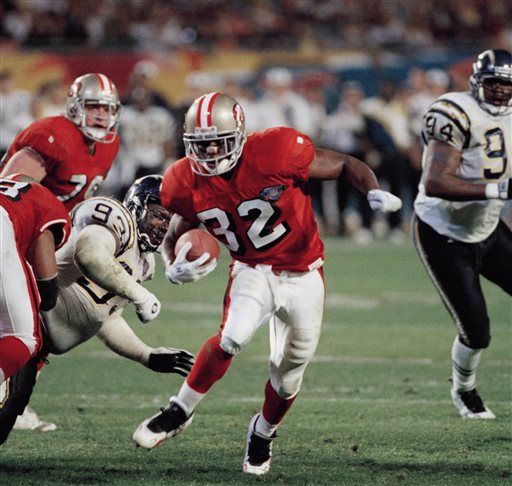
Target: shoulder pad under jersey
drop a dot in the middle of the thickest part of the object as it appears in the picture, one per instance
(111, 214)
(447, 120)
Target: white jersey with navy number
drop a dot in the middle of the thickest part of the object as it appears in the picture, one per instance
(485, 142)
(82, 306)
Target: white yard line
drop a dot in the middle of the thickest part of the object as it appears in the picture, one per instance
(125, 401)
(333, 301)
(400, 400)
(192, 307)
(324, 359)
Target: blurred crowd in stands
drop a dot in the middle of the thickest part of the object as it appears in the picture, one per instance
(255, 24)
(383, 130)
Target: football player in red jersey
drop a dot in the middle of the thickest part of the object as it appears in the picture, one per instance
(33, 225)
(71, 155)
(250, 194)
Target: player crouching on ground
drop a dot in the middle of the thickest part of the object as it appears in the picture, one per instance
(109, 251)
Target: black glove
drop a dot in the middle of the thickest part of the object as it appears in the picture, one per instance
(170, 360)
(48, 291)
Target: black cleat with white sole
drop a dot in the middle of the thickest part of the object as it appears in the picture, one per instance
(170, 421)
(470, 405)
(258, 451)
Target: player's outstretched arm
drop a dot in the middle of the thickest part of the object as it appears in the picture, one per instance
(441, 167)
(25, 161)
(119, 337)
(329, 164)
(95, 250)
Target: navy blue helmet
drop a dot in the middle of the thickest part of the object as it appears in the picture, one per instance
(152, 223)
(491, 81)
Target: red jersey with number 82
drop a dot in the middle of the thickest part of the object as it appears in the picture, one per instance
(73, 173)
(261, 212)
(33, 209)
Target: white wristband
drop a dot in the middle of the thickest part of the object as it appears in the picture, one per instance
(492, 191)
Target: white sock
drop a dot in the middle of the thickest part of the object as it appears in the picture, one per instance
(190, 398)
(264, 428)
(464, 364)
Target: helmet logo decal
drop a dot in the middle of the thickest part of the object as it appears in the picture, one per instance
(204, 110)
(238, 113)
(75, 88)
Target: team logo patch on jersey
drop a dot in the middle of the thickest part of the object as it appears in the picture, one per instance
(272, 193)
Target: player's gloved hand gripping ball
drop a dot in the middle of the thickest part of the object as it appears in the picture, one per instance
(196, 256)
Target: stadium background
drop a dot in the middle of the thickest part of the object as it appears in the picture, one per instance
(375, 405)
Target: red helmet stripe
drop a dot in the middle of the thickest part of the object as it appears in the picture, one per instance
(106, 84)
(199, 108)
(110, 86)
(204, 110)
(209, 120)
(102, 84)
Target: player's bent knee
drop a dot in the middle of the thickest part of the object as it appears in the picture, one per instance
(290, 388)
(246, 314)
(288, 385)
(230, 346)
(16, 351)
(302, 346)
(479, 342)
(30, 342)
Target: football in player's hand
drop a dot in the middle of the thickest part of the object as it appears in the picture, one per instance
(201, 241)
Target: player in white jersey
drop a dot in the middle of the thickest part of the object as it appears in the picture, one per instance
(457, 231)
(109, 253)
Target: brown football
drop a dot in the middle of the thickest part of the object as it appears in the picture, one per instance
(202, 242)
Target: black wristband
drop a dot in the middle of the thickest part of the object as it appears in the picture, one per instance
(48, 290)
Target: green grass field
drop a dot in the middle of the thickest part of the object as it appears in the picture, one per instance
(374, 407)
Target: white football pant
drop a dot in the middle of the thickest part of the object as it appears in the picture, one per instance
(292, 303)
(18, 295)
